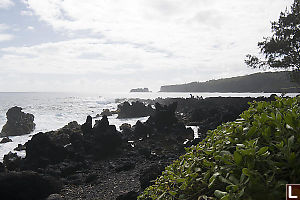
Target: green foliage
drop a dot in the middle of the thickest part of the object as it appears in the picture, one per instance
(251, 158)
(282, 49)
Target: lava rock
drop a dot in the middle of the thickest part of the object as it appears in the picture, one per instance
(87, 126)
(27, 185)
(18, 122)
(2, 167)
(164, 116)
(5, 140)
(12, 161)
(106, 112)
(134, 110)
(149, 174)
(41, 150)
(20, 147)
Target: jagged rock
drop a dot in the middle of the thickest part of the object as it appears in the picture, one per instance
(27, 185)
(101, 125)
(141, 130)
(20, 147)
(106, 112)
(87, 126)
(125, 126)
(40, 150)
(18, 122)
(164, 116)
(5, 140)
(132, 195)
(133, 110)
(12, 161)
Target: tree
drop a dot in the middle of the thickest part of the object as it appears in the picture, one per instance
(282, 49)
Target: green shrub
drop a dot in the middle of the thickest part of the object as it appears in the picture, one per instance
(251, 158)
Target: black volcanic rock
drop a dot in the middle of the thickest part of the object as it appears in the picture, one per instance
(106, 112)
(2, 167)
(87, 126)
(18, 122)
(27, 185)
(12, 161)
(41, 150)
(149, 174)
(106, 140)
(164, 116)
(20, 147)
(5, 140)
(133, 110)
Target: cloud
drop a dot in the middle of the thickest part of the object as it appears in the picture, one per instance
(26, 13)
(119, 65)
(143, 42)
(4, 27)
(30, 28)
(4, 4)
(3, 35)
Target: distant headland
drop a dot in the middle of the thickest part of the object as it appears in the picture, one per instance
(140, 90)
(268, 82)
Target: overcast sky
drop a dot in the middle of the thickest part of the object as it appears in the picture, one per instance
(116, 45)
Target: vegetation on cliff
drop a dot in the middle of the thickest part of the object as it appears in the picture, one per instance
(250, 158)
(259, 82)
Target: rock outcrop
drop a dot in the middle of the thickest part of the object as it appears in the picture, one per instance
(5, 140)
(18, 122)
(134, 110)
(27, 185)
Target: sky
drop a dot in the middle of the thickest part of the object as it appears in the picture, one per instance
(115, 45)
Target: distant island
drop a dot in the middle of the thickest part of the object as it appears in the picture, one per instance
(140, 90)
(268, 82)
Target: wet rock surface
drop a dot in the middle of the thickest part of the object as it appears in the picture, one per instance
(5, 140)
(18, 123)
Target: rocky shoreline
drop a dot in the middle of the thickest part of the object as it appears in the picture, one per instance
(95, 161)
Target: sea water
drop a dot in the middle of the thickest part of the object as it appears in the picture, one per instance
(54, 110)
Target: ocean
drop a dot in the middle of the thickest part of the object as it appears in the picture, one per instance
(54, 110)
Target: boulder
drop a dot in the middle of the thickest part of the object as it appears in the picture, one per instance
(41, 150)
(12, 161)
(106, 112)
(18, 122)
(27, 185)
(149, 174)
(164, 116)
(20, 147)
(134, 110)
(5, 140)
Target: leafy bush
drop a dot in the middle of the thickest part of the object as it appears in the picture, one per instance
(251, 158)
